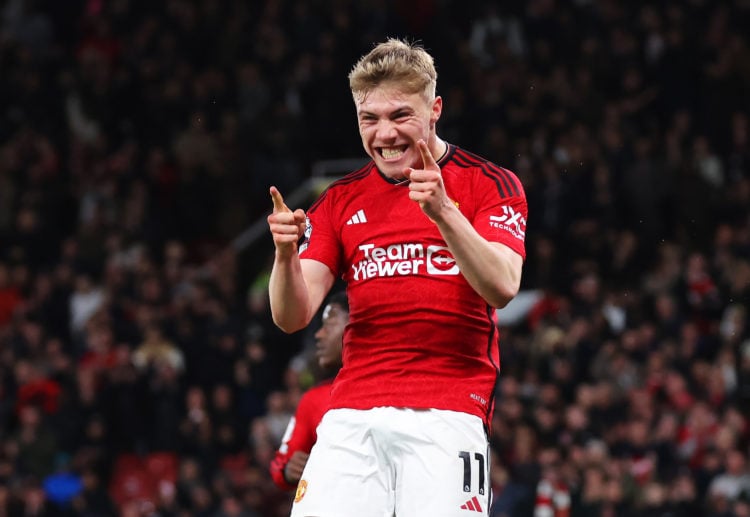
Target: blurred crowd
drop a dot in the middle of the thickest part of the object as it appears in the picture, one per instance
(140, 374)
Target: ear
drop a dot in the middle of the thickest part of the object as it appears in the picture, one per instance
(437, 109)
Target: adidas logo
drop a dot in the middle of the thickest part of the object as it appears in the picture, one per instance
(473, 505)
(358, 218)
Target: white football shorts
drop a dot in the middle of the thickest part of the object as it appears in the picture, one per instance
(387, 462)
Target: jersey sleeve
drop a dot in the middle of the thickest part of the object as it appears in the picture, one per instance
(281, 458)
(320, 241)
(501, 208)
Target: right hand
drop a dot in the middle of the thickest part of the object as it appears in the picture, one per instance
(287, 227)
(295, 466)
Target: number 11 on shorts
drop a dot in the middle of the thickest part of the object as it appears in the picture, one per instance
(466, 457)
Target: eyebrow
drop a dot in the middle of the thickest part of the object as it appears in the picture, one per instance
(397, 111)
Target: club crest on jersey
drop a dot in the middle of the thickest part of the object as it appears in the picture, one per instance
(403, 259)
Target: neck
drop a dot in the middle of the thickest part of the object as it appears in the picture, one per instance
(441, 146)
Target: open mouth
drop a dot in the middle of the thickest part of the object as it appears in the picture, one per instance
(393, 153)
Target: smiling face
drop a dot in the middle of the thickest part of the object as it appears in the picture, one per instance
(390, 123)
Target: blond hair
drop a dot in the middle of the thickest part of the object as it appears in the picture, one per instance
(405, 65)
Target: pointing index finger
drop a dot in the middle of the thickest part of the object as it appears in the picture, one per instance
(428, 161)
(278, 201)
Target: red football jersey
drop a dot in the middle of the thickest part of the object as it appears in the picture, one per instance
(301, 433)
(419, 336)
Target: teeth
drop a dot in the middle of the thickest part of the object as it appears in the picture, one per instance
(391, 153)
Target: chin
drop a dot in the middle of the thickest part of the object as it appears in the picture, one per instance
(390, 170)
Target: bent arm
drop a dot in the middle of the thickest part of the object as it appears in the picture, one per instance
(300, 435)
(297, 288)
(492, 269)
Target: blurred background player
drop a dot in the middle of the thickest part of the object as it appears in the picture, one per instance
(291, 457)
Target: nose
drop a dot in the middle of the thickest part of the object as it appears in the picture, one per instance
(386, 130)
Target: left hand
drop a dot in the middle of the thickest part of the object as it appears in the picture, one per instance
(426, 184)
(295, 466)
